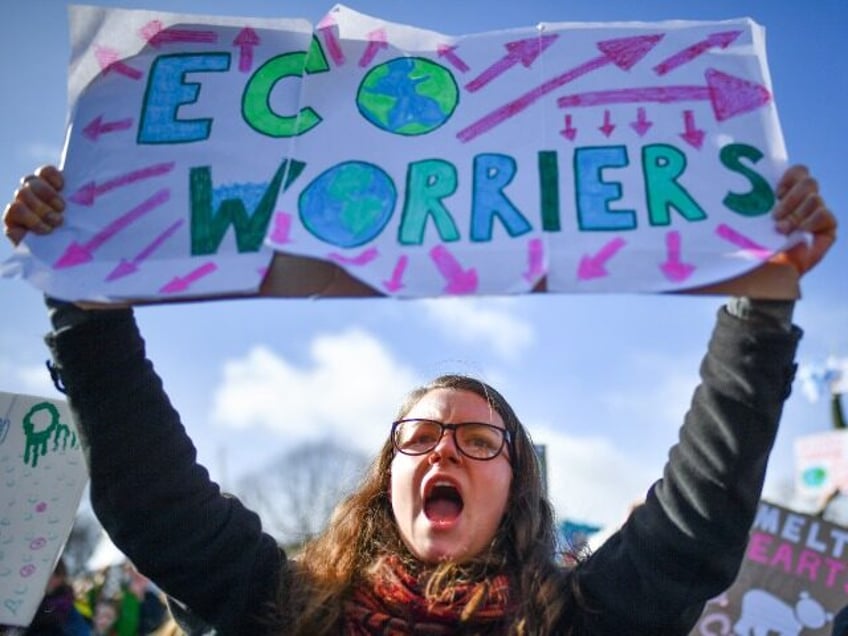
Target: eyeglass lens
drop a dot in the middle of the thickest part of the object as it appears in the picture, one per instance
(477, 440)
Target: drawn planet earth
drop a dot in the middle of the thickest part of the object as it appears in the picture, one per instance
(408, 96)
(349, 204)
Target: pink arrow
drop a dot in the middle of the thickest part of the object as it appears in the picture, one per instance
(595, 266)
(97, 127)
(395, 283)
(77, 254)
(518, 52)
(151, 29)
(180, 284)
(623, 52)
(448, 53)
(692, 134)
(714, 40)
(282, 228)
(674, 269)
(360, 259)
(535, 260)
(326, 27)
(376, 41)
(125, 267)
(246, 40)
(110, 62)
(180, 36)
(87, 193)
(460, 281)
(608, 126)
(569, 132)
(641, 125)
(729, 95)
(739, 240)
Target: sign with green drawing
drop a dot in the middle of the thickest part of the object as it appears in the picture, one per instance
(43, 477)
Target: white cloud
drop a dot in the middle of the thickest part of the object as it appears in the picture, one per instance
(29, 380)
(352, 386)
(489, 322)
(659, 394)
(589, 479)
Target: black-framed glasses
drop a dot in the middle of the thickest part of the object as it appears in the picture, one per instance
(416, 436)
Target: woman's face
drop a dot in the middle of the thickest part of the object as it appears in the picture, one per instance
(447, 505)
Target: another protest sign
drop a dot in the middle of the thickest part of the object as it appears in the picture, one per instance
(43, 478)
(793, 580)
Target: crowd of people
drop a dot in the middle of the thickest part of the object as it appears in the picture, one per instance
(113, 601)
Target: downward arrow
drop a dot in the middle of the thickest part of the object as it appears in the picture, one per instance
(594, 266)
(460, 281)
(674, 269)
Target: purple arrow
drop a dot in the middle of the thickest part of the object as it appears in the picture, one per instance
(623, 52)
(569, 132)
(77, 254)
(282, 228)
(674, 269)
(395, 283)
(110, 62)
(246, 40)
(518, 52)
(460, 281)
(641, 125)
(692, 134)
(608, 126)
(535, 260)
(360, 259)
(714, 40)
(448, 52)
(125, 267)
(88, 193)
(729, 95)
(594, 266)
(376, 41)
(327, 29)
(97, 127)
(180, 284)
(741, 241)
(181, 36)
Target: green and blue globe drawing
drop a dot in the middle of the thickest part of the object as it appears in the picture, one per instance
(408, 96)
(349, 204)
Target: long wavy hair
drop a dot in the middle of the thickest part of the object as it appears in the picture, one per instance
(363, 531)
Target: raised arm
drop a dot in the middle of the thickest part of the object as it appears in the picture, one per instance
(686, 543)
(158, 505)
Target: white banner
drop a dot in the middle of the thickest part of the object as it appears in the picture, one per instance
(596, 157)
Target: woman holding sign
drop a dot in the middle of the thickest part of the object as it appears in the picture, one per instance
(450, 532)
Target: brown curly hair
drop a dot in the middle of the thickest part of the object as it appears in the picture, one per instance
(362, 531)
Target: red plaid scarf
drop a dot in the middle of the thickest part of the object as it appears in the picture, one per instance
(392, 603)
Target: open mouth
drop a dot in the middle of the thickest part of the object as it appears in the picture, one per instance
(443, 504)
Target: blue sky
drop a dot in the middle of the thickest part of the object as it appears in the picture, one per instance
(603, 381)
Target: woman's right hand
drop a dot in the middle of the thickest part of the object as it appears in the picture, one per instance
(37, 205)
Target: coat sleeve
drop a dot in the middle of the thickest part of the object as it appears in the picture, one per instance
(158, 505)
(685, 544)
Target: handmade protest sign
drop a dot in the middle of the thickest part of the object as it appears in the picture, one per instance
(793, 580)
(574, 157)
(44, 477)
(821, 464)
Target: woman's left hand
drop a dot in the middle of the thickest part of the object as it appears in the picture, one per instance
(801, 208)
